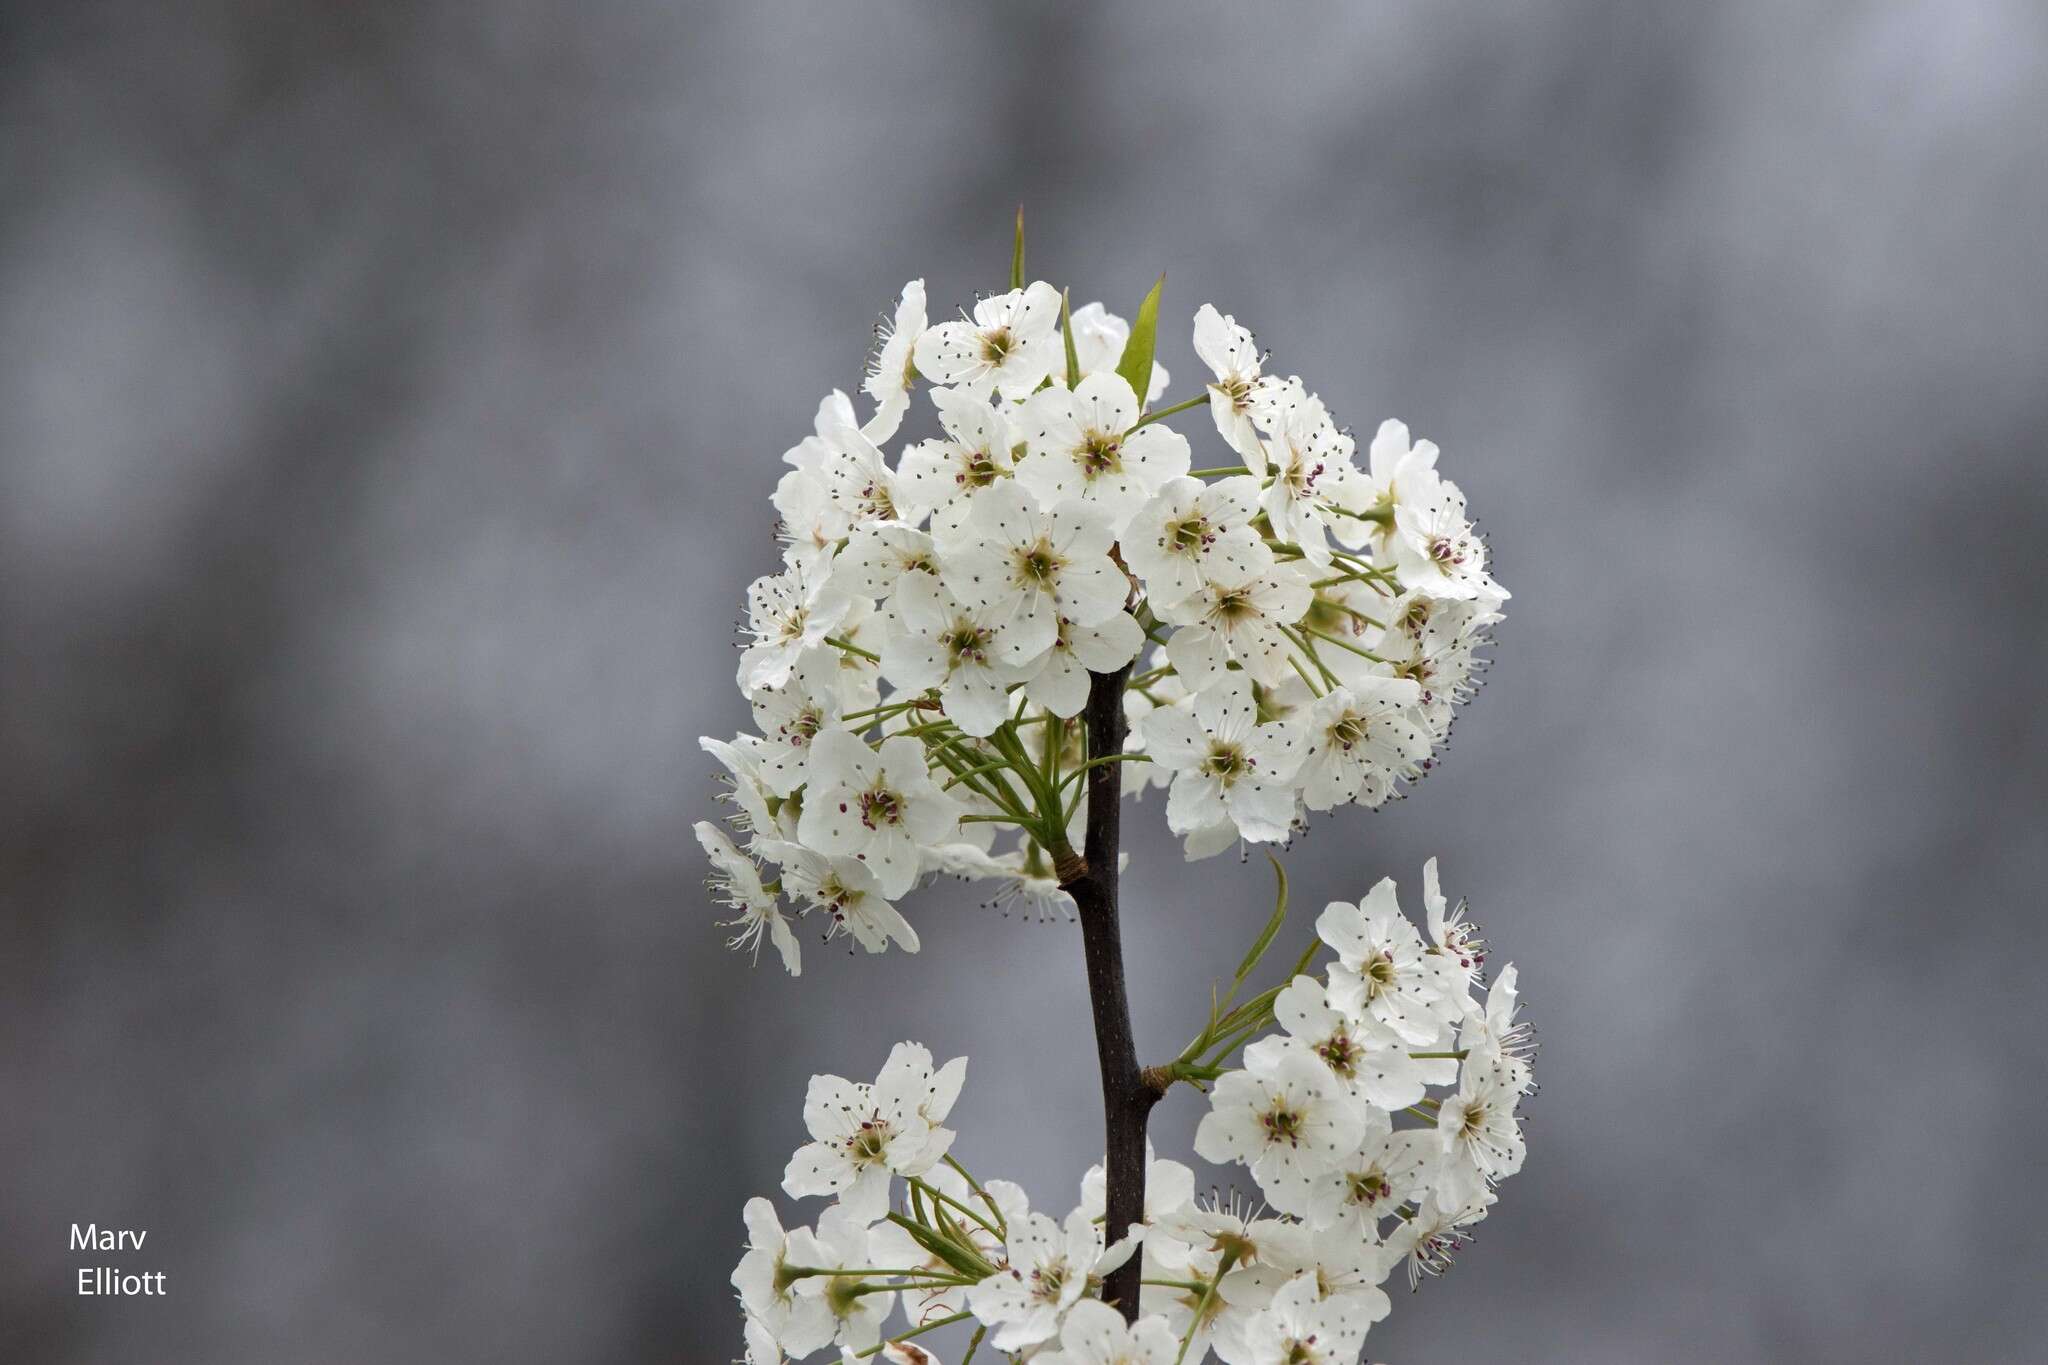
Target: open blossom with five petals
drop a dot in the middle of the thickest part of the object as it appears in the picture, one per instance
(1360, 740)
(788, 614)
(1287, 1120)
(1081, 446)
(890, 372)
(1433, 1235)
(845, 1240)
(1437, 552)
(979, 448)
(799, 1322)
(1397, 474)
(1031, 567)
(859, 481)
(1240, 616)
(1047, 1271)
(969, 653)
(846, 891)
(1059, 678)
(1368, 1184)
(1300, 1327)
(1384, 969)
(875, 806)
(791, 715)
(1493, 1039)
(1456, 937)
(736, 882)
(1012, 344)
(879, 555)
(1096, 1334)
(1479, 1141)
(1189, 530)
(1306, 456)
(1238, 394)
(1364, 1057)
(1228, 769)
(864, 1135)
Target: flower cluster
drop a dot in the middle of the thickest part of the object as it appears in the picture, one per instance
(916, 667)
(1363, 1170)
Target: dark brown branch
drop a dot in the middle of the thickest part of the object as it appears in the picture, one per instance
(1127, 1099)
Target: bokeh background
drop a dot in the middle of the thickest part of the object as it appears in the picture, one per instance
(389, 401)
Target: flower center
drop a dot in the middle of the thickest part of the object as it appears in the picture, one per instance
(1039, 564)
(838, 896)
(1348, 731)
(870, 1141)
(967, 643)
(1282, 1124)
(1101, 453)
(1379, 971)
(880, 806)
(1339, 1053)
(979, 471)
(792, 623)
(1444, 550)
(1190, 536)
(996, 344)
(1226, 763)
(1368, 1187)
(1475, 1121)
(1233, 605)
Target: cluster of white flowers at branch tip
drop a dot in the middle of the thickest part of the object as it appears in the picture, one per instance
(1362, 1170)
(917, 666)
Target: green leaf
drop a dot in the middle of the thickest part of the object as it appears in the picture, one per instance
(1017, 253)
(1067, 333)
(1136, 364)
(1272, 929)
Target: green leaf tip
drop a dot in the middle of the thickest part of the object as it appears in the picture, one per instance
(1017, 253)
(1067, 335)
(1136, 364)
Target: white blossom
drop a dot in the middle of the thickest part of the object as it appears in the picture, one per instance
(1365, 1057)
(862, 1134)
(1228, 769)
(1237, 393)
(1299, 1327)
(977, 450)
(797, 1322)
(1479, 1142)
(875, 806)
(1012, 344)
(1360, 740)
(1436, 551)
(1384, 968)
(845, 889)
(1046, 1272)
(1031, 567)
(1237, 616)
(1287, 1120)
(1189, 530)
(1096, 1334)
(736, 883)
(788, 614)
(889, 374)
(1059, 677)
(1387, 1169)
(970, 654)
(1081, 445)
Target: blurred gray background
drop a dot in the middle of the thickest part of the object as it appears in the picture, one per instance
(390, 400)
